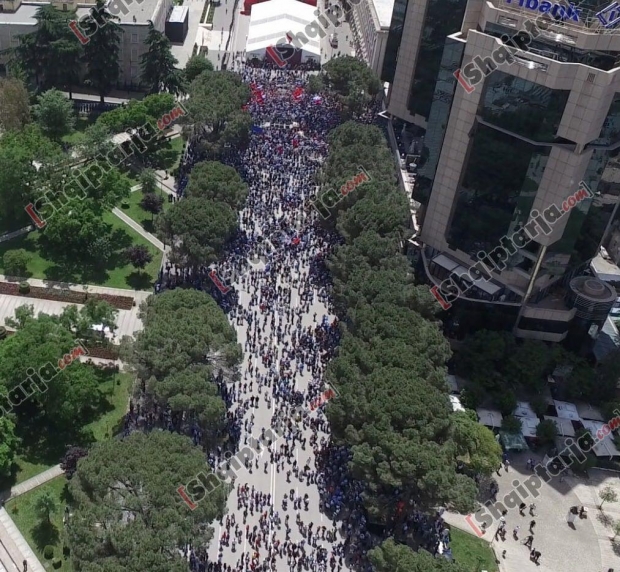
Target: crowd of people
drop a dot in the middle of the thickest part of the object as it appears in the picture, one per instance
(294, 506)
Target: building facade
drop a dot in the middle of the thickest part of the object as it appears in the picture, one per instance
(370, 25)
(518, 176)
(17, 18)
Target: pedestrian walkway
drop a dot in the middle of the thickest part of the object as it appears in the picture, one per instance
(14, 549)
(138, 228)
(13, 546)
(32, 483)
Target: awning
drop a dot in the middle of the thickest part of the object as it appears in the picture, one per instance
(566, 410)
(528, 426)
(605, 447)
(565, 426)
(524, 409)
(489, 417)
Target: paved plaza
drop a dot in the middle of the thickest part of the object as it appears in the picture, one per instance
(587, 546)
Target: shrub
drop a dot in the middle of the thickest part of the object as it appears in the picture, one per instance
(24, 288)
(16, 262)
(57, 563)
(48, 552)
(511, 424)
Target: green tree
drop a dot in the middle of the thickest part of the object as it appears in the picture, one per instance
(195, 66)
(101, 53)
(14, 104)
(139, 255)
(127, 512)
(511, 424)
(215, 110)
(607, 494)
(158, 64)
(148, 180)
(97, 142)
(392, 557)
(199, 229)
(40, 52)
(16, 262)
(476, 444)
(78, 233)
(352, 80)
(8, 445)
(546, 431)
(45, 505)
(54, 113)
(152, 203)
(215, 181)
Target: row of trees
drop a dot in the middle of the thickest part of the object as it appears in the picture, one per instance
(126, 511)
(393, 410)
(496, 365)
(52, 55)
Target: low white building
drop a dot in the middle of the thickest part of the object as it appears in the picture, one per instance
(284, 23)
(17, 18)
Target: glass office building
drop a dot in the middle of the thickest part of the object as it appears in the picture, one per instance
(521, 111)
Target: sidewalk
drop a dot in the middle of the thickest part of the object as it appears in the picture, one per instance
(13, 546)
(135, 226)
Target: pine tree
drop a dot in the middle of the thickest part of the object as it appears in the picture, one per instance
(158, 64)
(101, 53)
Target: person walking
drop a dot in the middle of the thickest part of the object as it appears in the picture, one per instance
(528, 541)
(532, 525)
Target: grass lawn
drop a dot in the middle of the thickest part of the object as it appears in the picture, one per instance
(77, 136)
(115, 388)
(117, 273)
(471, 552)
(38, 454)
(131, 207)
(37, 532)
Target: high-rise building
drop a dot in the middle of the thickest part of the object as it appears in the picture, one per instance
(519, 175)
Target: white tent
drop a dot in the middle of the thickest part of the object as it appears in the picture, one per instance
(528, 426)
(565, 426)
(284, 22)
(489, 417)
(524, 409)
(566, 410)
(605, 447)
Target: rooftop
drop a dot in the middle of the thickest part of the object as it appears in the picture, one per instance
(384, 11)
(126, 10)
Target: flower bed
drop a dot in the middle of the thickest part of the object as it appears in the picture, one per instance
(71, 296)
(103, 353)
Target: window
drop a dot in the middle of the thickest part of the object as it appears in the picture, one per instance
(591, 77)
(64, 7)
(134, 54)
(134, 38)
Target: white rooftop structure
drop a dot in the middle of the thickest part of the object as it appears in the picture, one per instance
(524, 409)
(604, 448)
(384, 8)
(528, 426)
(566, 410)
(456, 403)
(565, 426)
(587, 411)
(489, 417)
(271, 21)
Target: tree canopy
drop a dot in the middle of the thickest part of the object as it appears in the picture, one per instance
(127, 513)
(215, 110)
(393, 410)
(215, 181)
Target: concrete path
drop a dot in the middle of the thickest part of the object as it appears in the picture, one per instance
(13, 546)
(14, 549)
(32, 483)
(135, 226)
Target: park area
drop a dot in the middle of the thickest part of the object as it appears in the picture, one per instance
(46, 263)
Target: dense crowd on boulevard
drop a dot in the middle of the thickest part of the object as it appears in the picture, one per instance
(281, 310)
